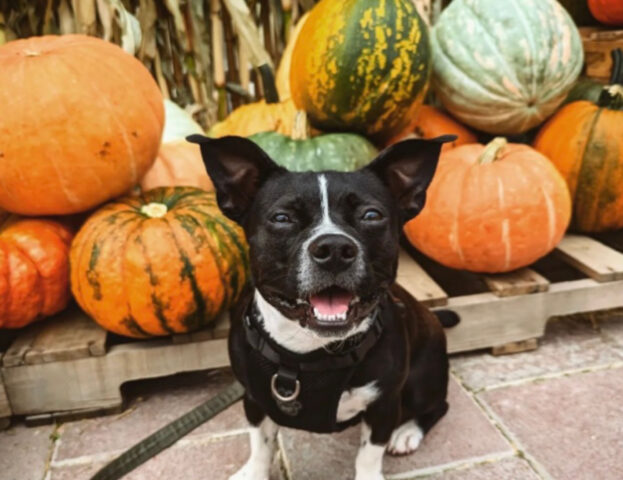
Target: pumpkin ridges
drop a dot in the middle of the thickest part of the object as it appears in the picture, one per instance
(138, 275)
(5, 284)
(154, 309)
(601, 164)
(194, 317)
(154, 102)
(582, 140)
(113, 120)
(128, 281)
(85, 239)
(48, 254)
(26, 298)
(223, 295)
(99, 249)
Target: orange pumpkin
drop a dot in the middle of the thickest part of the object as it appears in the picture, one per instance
(609, 12)
(167, 261)
(34, 269)
(585, 142)
(81, 123)
(179, 163)
(431, 123)
(492, 209)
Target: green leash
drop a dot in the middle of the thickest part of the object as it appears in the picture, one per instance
(169, 434)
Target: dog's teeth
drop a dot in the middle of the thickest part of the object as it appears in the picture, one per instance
(329, 318)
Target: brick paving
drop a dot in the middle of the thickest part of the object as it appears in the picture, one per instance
(552, 414)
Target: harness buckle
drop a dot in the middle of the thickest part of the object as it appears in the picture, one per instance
(291, 394)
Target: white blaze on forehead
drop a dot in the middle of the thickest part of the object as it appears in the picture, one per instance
(324, 200)
(326, 226)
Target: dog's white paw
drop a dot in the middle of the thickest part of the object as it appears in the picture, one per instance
(405, 439)
(250, 471)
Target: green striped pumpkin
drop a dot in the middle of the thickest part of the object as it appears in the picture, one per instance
(343, 152)
(362, 66)
(165, 262)
(504, 66)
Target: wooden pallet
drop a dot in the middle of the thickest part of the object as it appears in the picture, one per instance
(68, 365)
(598, 42)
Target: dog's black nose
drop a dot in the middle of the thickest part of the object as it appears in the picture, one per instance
(333, 252)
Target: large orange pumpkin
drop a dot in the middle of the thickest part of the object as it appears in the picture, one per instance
(81, 123)
(165, 262)
(585, 142)
(492, 209)
(432, 122)
(34, 269)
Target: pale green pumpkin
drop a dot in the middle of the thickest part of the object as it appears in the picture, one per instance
(505, 66)
(343, 152)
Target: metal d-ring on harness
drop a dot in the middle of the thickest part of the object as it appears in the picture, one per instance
(274, 388)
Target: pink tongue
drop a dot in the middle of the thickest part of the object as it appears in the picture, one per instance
(331, 303)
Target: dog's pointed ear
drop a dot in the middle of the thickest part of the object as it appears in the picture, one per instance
(237, 168)
(407, 168)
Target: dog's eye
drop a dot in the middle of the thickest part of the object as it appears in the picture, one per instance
(372, 215)
(281, 218)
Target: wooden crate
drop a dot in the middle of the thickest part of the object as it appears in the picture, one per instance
(68, 366)
(598, 42)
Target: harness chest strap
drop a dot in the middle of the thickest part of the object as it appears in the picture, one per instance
(285, 384)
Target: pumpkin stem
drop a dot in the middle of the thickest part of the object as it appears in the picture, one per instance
(300, 129)
(492, 150)
(611, 97)
(154, 210)
(268, 82)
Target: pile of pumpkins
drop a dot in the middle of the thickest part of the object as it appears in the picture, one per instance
(99, 204)
(352, 80)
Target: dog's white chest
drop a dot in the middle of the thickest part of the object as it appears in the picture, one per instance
(356, 400)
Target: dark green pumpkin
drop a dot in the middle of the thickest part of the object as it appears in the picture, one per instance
(591, 90)
(585, 89)
(333, 151)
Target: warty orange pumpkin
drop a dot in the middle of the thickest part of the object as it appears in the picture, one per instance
(34, 269)
(165, 262)
(584, 140)
(492, 209)
(81, 123)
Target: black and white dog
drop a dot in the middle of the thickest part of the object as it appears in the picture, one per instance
(324, 338)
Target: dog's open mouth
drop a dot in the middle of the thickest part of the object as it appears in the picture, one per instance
(330, 306)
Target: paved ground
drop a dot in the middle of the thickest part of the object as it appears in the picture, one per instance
(556, 413)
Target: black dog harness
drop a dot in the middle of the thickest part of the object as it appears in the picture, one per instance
(303, 390)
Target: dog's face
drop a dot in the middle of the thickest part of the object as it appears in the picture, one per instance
(323, 246)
